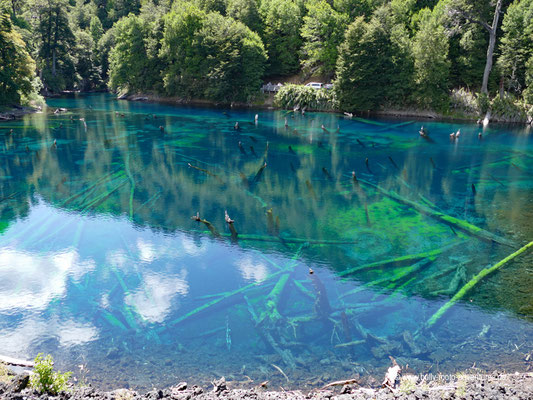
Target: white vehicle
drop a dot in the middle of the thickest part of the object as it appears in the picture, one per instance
(314, 85)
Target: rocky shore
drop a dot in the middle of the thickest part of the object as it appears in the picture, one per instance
(8, 114)
(410, 387)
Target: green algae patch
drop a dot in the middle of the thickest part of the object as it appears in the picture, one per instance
(3, 226)
(186, 141)
(397, 224)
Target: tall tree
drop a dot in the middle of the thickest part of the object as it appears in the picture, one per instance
(211, 56)
(517, 44)
(469, 11)
(17, 68)
(322, 32)
(86, 62)
(375, 63)
(432, 67)
(121, 8)
(246, 11)
(355, 8)
(528, 92)
(55, 43)
(282, 20)
(131, 67)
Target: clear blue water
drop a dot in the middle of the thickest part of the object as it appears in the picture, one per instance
(102, 266)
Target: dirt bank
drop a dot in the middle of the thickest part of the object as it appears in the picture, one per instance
(410, 387)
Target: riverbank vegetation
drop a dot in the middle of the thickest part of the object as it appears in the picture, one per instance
(380, 54)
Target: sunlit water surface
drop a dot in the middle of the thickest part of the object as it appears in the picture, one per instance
(102, 266)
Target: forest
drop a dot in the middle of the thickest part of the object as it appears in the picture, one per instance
(442, 55)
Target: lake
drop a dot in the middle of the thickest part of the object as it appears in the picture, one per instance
(116, 256)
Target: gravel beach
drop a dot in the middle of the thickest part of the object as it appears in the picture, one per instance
(461, 386)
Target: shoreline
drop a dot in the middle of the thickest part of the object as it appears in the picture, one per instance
(12, 113)
(496, 385)
(17, 112)
(268, 104)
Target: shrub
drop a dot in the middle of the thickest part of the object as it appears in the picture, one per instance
(483, 102)
(508, 108)
(291, 96)
(465, 101)
(45, 378)
(33, 98)
(4, 374)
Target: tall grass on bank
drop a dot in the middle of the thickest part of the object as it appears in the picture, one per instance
(503, 108)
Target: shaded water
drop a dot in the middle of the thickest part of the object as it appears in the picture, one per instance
(102, 266)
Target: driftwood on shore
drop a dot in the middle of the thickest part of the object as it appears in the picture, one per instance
(16, 362)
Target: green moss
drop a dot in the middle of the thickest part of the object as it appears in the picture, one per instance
(399, 224)
(187, 141)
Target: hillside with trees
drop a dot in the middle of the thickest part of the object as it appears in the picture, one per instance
(441, 55)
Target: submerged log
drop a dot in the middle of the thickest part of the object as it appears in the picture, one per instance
(210, 226)
(349, 344)
(399, 261)
(213, 302)
(110, 176)
(270, 222)
(231, 226)
(322, 306)
(447, 219)
(263, 238)
(206, 172)
(473, 282)
(271, 314)
(259, 173)
(393, 163)
(269, 340)
(310, 188)
(101, 198)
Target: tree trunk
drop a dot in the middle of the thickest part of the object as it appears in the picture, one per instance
(54, 62)
(490, 50)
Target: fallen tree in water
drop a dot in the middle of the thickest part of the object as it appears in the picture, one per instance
(447, 219)
(473, 282)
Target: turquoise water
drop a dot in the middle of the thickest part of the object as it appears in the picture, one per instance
(102, 266)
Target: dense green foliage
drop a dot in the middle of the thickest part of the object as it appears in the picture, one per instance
(379, 53)
(432, 67)
(305, 98)
(210, 56)
(17, 68)
(375, 63)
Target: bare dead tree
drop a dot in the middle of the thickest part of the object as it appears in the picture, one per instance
(463, 11)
